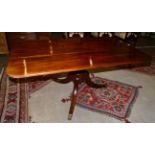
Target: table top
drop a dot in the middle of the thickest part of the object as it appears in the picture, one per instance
(45, 57)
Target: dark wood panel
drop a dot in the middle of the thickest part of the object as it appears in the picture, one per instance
(26, 49)
(34, 58)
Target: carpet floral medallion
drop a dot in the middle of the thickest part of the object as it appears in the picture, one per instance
(115, 100)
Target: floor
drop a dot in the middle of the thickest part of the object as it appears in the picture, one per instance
(53, 110)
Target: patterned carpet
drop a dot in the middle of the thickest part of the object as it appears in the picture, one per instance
(13, 100)
(14, 95)
(115, 100)
(149, 70)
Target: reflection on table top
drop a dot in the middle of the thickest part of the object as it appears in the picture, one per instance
(43, 57)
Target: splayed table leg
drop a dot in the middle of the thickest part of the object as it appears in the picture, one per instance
(77, 78)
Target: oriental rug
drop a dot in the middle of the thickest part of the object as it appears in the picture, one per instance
(149, 70)
(115, 100)
(14, 95)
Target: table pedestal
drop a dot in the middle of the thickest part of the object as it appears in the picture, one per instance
(77, 78)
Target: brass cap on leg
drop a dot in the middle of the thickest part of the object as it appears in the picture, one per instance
(70, 116)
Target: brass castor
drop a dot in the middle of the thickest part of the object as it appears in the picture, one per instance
(70, 116)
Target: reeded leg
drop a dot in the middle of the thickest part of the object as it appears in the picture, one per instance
(73, 103)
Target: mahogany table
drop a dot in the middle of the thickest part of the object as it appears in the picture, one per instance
(75, 56)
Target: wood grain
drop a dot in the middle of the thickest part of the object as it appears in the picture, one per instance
(43, 57)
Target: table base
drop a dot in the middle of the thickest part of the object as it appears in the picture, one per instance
(77, 78)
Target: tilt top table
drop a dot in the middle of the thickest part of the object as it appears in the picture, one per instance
(75, 56)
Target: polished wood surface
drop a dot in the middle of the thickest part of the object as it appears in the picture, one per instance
(43, 57)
